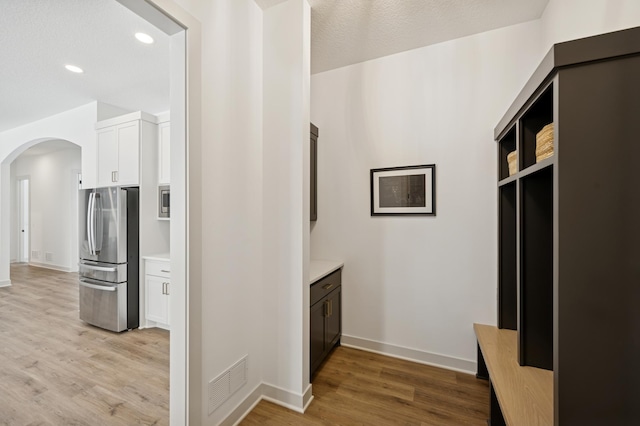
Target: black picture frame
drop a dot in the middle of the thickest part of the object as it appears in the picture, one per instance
(408, 190)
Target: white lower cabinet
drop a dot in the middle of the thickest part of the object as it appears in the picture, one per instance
(157, 293)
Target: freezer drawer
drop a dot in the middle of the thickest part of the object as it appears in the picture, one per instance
(103, 305)
(103, 271)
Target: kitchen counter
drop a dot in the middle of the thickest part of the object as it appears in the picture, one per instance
(321, 268)
(162, 257)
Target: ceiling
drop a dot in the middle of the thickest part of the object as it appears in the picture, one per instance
(345, 32)
(39, 37)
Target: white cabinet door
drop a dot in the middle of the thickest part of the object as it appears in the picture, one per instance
(156, 301)
(128, 153)
(118, 154)
(107, 154)
(164, 153)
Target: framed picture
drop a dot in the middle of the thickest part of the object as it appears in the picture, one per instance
(404, 190)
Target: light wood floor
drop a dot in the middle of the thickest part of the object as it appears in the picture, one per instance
(361, 388)
(57, 370)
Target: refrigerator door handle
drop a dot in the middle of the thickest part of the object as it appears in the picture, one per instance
(98, 268)
(97, 223)
(85, 283)
(90, 223)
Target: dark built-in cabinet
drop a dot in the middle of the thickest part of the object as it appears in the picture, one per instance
(569, 228)
(325, 318)
(313, 171)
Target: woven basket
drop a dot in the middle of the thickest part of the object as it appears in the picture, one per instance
(512, 160)
(544, 143)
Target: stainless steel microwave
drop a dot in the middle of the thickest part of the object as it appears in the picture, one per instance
(164, 201)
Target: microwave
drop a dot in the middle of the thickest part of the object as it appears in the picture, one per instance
(164, 201)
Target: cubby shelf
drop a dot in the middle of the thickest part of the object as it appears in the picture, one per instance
(543, 164)
(568, 235)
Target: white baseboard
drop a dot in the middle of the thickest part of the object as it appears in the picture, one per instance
(6, 283)
(50, 266)
(292, 401)
(153, 324)
(274, 394)
(240, 412)
(415, 355)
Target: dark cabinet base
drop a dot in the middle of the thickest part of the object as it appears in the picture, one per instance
(325, 319)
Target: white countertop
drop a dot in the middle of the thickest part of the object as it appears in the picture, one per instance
(162, 257)
(321, 268)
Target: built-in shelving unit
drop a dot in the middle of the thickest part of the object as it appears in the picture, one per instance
(569, 239)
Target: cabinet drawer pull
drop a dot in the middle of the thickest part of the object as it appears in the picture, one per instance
(327, 286)
(165, 271)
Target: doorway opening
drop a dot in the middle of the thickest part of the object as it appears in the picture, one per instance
(24, 213)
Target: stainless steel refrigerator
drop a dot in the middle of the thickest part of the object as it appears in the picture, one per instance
(109, 258)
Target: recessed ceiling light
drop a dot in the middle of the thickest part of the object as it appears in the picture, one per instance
(75, 69)
(144, 38)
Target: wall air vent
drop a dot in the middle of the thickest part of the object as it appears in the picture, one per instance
(227, 383)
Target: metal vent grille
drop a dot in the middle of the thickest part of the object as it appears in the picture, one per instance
(218, 391)
(223, 386)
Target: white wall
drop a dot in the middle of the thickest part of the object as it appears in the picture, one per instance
(417, 284)
(230, 199)
(13, 216)
(565, 20)
(76, 125)
(285, 185)
(53, 206)
(413, 286)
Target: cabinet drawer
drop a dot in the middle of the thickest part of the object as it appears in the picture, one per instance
(324, 286)
(157, 268)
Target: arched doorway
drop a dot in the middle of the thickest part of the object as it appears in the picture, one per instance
(44, 203)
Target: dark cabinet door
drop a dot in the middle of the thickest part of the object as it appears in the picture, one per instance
(334, 318)
(316, 334)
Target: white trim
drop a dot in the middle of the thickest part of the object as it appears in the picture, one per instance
(244, 407)
(6, 283)
(409, 354)
(153, 324)
(50, 266)
(132, 116)
(291, 400)
(264, 391)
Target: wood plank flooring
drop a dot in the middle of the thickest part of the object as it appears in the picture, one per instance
(57, 370)
(361, 388)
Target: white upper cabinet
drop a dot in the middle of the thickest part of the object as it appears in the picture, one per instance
(119, 154)
(164, 153)
(119, 143)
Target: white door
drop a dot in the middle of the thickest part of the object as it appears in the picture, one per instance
(23, 219)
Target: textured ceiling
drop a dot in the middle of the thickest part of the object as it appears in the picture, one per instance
(38, 37)
(345, 32)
